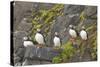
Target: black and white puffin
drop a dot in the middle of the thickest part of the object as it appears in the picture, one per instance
(27, 42)
(73, 35)
(84, 37)
(72, 32)
(57, 40)
(83, 34)
(39, 38)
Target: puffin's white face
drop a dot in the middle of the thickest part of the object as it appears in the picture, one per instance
(56, 33)
(70, 26)
(25, 38)
(83, 27)
(38, 30)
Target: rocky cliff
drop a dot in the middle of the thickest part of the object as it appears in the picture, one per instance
(49, 18)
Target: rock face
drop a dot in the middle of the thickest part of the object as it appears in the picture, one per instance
(23, 27)
(32, 53)
(24, 10)
(18, 39)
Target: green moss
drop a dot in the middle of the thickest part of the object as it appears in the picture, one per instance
(66, 54)
(82, 16)
(94, 47)
(38, 26)
(93, 40)
(57, 60)
(47, 17)
(91, 27)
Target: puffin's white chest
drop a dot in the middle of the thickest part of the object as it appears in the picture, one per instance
(28, 43)
(83, 35)
(72, 33)
(56, 41)
(39, 38)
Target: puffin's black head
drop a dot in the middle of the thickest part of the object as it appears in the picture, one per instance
(71, 26)
(83, 28)
(26, 38)
(56, 34)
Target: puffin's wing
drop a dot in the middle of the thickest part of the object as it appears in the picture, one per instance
(77, 32)
(44, 38)
(35, 37)
(61, 41)
(87, 34)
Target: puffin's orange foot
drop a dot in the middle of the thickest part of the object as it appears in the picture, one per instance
(72, 40)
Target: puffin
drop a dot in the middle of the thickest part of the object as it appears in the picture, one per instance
(83, 34)
(73, 32)
(39, 38)
(57, 40)
(73, 35)
(27, 42)
(84, 37)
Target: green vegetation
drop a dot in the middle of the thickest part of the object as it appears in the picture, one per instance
(47, 17)
(82, 16)
(93, 41)
(66, 54)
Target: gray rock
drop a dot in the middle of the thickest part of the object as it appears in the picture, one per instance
(16, 59)
(30, 62)
(74, 20)
(24, 25)
(90, 11)
(19, 34)
(89, 22)
(20, 52)
(45, 62)
(17, 39)
(44, 53)
(73, 9)
(21, 10)
(18, 64)
(30, 52)
(33, 55)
